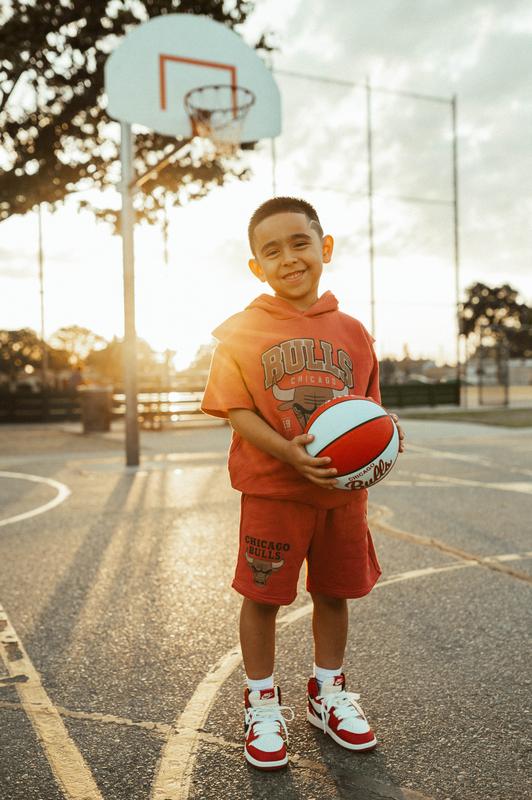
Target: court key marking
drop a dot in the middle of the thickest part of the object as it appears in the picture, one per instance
(177, 761)
(63, 492)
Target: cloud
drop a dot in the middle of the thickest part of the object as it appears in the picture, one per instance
(479, 49)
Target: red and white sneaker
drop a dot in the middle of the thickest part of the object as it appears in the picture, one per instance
(265, 724)
(337, 713)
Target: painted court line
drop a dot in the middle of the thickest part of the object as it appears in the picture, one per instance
(176, 764)
(62, 493)
(68, 766)
(472, 459)
(451, 482)
(493, 563)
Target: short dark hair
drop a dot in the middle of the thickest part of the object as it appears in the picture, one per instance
(278, 205)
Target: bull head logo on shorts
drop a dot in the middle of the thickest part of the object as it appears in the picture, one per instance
(262, 569)
(304, 400)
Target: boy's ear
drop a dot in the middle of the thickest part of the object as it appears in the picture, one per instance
(256, 269)
(327, 247)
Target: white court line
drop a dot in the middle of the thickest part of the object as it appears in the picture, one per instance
(67, 763)
(472, 459)
(449, 482)
(62, 493)
(176, 765)
(68, 766)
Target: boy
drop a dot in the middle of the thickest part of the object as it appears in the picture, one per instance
(276, 362)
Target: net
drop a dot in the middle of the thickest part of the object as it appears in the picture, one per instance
(218, 113)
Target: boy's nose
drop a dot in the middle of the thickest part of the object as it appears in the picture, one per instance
(288, 258)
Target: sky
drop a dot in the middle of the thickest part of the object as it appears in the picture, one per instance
(480, 51)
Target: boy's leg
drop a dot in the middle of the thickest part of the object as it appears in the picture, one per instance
(330, 621)
(257, 638)
(265, 745)
(330, 707)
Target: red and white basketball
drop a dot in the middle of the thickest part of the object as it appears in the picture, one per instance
(360, 438)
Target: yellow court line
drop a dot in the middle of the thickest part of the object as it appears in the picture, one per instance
(67, 763)
(176, 764)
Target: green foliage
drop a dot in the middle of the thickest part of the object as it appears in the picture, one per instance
(56, 135)
(496, 314)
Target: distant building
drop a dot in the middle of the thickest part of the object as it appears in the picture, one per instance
(485, 370)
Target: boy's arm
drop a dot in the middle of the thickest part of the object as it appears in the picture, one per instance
(255, 430)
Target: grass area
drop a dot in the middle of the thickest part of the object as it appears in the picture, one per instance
(505, 417)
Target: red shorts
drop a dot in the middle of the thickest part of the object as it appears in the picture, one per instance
(276, 536)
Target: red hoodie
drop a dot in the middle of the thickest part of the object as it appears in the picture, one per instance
(282, 363)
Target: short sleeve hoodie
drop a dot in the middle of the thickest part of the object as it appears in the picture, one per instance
(282, 363)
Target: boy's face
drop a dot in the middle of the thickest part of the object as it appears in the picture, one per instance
(289, 255)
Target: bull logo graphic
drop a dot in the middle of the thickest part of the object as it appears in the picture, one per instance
(304, 400)
(262, 569)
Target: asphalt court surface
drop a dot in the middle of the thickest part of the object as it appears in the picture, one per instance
(119, 677)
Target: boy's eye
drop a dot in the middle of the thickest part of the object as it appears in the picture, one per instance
(271, 253)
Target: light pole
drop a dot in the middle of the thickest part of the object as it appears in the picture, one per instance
(40, 259)
(371, 246)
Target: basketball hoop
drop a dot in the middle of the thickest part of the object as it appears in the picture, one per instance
(218, 113)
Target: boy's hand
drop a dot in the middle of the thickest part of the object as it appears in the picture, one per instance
(314, 469)
(400, 431)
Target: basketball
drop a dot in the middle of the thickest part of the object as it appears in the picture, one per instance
(360, 438)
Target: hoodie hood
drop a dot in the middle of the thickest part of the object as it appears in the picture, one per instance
(282, 309)
(277, 308)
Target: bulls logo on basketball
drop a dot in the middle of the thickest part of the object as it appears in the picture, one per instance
(262, 569)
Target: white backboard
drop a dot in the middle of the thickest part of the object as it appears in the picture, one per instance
(158, 62)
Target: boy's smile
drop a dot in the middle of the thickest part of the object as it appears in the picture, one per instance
(289, 256)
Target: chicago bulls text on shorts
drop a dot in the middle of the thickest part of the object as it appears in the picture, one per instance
(276, 536)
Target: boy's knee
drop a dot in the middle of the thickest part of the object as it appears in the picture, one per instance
(266, 609)
(326, 600)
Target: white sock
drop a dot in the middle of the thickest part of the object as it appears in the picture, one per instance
(321, 674)
(262, 683)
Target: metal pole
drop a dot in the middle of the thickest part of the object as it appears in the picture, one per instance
(456, 232)
(128, 260)
(370, 205)
(274, 168)
(40, 256)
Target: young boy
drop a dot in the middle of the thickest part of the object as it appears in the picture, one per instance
(276, 362)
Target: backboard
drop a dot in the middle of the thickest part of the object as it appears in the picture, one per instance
(160, 61)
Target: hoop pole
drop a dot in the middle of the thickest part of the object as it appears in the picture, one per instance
(128, 261)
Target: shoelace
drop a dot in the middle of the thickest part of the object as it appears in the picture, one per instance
(344, 703)
(268, 718)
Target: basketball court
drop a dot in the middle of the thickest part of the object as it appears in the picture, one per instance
(120, 673)
(121, 676)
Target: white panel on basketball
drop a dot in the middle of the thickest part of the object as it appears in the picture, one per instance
(367, 474)
(328, 427)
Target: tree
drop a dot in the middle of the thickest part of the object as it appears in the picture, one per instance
(495, 315)
(202, 359)
(108, 362)
(57, 136)
(78, 342)
(23, 348)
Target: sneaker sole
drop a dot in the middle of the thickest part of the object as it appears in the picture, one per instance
(265, 765)
(318, 724)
